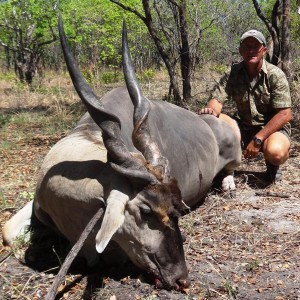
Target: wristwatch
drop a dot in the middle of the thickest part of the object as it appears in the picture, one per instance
(257, 141)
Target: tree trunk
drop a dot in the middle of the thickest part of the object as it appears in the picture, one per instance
(165, 51)
(281, 39)
(174, 88)
(276, 12)
(173, 79)
(272, 28)
(286, 36)
(185, 60)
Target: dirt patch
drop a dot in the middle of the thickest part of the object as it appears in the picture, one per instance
(243, 248)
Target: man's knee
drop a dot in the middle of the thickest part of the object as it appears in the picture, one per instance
(276, 158)
(276, 149)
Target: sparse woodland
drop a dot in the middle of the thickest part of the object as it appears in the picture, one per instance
(244, 248)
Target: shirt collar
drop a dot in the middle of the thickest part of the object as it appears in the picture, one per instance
(264, 67)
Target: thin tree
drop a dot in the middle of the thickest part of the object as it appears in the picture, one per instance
(279, 29)
(169, 56)
(22, 44)
(286, 37)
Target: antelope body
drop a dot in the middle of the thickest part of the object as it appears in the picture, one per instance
(143, 161)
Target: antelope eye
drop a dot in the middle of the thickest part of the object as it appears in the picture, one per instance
(145, 209)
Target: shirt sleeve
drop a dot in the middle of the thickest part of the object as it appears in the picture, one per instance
(280, 94)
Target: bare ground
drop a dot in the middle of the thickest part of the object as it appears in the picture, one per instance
(242, 248)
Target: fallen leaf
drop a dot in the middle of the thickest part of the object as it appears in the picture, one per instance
(280, 282)
(252, 280)
(226, 207)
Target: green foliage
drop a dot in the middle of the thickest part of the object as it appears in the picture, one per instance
(219, 68)
(96, 26)
(295, 37)
(26, 27)
(21, 118)
(6, 145)
(93, 28)
(7, 76)
(267, 7)
(21, 241)
(3, 201)
(4, 119)
(231, 289)
(26, 15)
(27, 196)
(253, 265)
(149, 74)
(111, 76)
(222, 23)
(146, 75)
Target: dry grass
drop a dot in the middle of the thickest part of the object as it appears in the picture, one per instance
(16, 95)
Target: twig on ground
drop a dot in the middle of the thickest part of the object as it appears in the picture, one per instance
(51, 269)
(10, 208)
(72, 254)
(15, 289)
(218, 293)
(21, 293)
(6, 257)
(271, 194)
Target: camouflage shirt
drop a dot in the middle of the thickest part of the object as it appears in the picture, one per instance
(256, 102)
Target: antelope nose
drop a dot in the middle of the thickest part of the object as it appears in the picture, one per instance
(182, 284)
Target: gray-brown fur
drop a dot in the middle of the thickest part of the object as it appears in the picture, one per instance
(99, 165)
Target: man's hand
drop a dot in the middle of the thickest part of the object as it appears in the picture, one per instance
(207, 110)
(213, 107)
(252, 150)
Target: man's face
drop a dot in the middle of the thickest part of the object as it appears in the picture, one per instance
(252, 50)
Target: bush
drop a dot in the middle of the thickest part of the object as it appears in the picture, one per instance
(146, 75)
(4, 119)
(7, 76)
(219, 68)
(110, 77)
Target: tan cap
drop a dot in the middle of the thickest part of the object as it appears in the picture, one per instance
(255, 34)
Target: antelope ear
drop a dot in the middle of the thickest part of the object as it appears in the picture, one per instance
(113, 219)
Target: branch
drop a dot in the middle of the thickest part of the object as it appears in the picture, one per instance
(9, 27)
(210, 23)
(7, 47)
(262, 16)
(52, 31)
(47, 42)
(14, 49)
(29, 33)
(173, 2)
(162, 26)
(72, 254)
(149, 23)
(272, 28)
(275, 18)
(27, 50)
(134, 11)
(271, 194)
